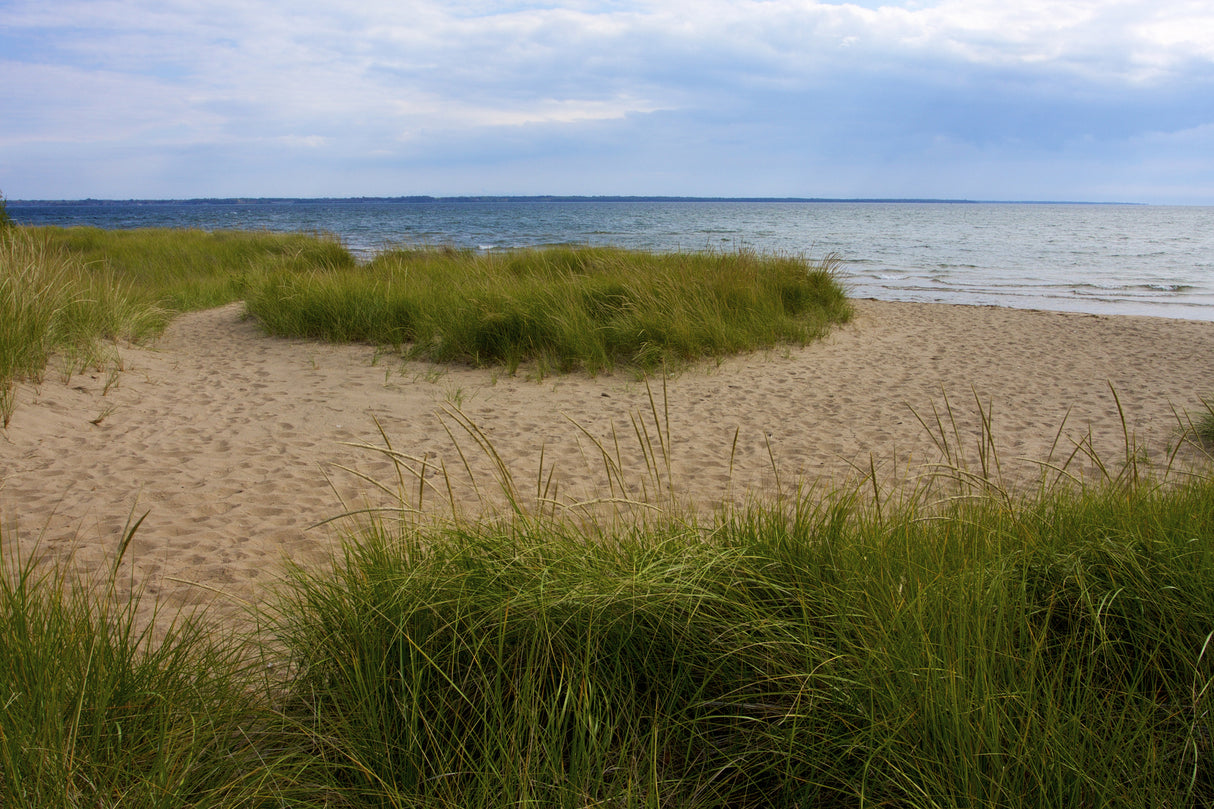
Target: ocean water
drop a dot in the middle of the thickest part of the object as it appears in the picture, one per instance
(1117, 259)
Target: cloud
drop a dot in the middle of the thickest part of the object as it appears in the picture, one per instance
(599, 93)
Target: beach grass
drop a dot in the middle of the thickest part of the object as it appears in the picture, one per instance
(825, 649)
(52, 303)
(953, 644)
(72, 292)
(1203, 426)
(183, 270)
(98, 708)
(562, 308)
(1052, 654)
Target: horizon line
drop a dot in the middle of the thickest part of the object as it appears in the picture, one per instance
(469, 198)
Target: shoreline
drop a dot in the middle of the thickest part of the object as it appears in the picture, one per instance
(1120, 308)
(235, 443)
(1069, 257)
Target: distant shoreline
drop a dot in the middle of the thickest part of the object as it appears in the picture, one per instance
(537, 198)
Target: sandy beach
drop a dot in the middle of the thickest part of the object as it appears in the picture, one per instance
(236, 445)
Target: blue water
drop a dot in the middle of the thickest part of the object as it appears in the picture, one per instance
(1125, 259)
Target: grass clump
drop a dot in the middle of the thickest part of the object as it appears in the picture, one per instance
(6, 219)
(68, 292)
(501, 668)
(817, 652)
(97, 713)
(565, 308)
(1051, 653)
(184, 270)
(52, 303)
(1203, 427)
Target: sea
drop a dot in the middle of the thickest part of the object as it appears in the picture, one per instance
(1103, 259)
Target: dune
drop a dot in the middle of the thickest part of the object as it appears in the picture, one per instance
(239, 447)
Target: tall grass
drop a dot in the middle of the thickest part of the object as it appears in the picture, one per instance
(829, 649)
(923, 649)
(1052, 654)
(186, 269)
(53, 303)
(842, 648)
(564, 308)
(71, 291)
(95, 712)
(6, 219)
(1204, 425)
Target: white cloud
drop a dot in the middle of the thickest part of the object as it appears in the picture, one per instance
(868, 79)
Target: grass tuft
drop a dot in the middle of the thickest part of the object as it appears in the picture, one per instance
(564, 308)
(52, 303)
(102, 709)
(6, 219)
(1203, 428)
(1051, 654)
(68, 292)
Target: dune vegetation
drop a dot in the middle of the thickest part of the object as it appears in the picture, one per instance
(71, 292)
(1204, 425)
(563, 308)
(949, 644)
(52, 304)
(828, 649)
(184, 270)
(68, 294)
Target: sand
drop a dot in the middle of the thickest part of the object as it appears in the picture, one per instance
(237, 446)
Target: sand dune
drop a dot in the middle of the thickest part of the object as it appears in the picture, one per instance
(234, 443)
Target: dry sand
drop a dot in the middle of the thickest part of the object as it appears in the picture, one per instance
(233, 443)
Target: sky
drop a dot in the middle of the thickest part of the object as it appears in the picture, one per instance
(1092, 100)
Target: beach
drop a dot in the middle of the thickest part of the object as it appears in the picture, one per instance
(241, 448)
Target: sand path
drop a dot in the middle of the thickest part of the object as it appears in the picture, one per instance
(232, 442)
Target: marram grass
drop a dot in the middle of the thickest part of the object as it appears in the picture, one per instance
(68, 292)
(6, 220)
(99, 708)
(1052, 654)
(981, 651)
(976, 652)
(52, 303)
(825, 650)
(1204, 424)
(183, 269)
(564, 308)
(71, 292)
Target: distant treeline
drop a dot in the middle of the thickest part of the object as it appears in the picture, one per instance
(503, 199)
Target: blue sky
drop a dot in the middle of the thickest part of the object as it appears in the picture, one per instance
(1100, 100)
